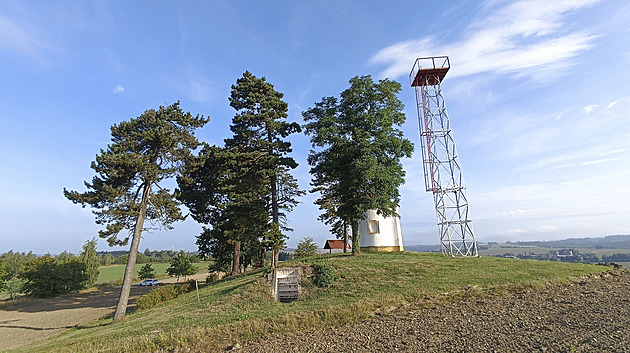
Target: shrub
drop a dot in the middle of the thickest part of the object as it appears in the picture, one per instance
(46, 278)
(213, 277)
(162, 294)
(324, 275)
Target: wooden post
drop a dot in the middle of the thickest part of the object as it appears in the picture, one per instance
(197, 288)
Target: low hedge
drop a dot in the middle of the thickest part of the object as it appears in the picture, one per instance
(162, 294)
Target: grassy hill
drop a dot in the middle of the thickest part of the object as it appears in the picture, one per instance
(240, 308)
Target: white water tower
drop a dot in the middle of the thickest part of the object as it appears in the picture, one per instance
(380, 234)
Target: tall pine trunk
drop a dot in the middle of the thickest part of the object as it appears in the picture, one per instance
(236, 258)
(274, 258)
(356, 247)
(274, 209)
(262, 256)
(121, 308)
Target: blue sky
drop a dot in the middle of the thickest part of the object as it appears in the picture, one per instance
(538, 96)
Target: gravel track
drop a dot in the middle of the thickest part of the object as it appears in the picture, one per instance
(588, 315)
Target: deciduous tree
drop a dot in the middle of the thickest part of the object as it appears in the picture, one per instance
(45, 277)
(356, 150)
(89, 258)
(128, 188)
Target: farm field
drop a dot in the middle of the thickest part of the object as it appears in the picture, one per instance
(496, 250)
(113, 273)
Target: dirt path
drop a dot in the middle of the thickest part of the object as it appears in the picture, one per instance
(592, 315)
(27, 320)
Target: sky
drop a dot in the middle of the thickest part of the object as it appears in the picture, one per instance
(538, 96)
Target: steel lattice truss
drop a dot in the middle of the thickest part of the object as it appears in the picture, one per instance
(442, 173)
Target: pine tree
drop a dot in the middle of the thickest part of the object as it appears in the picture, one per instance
(146, 272)
(305, 248)
(260, 128)
(127, 189)
(356, 151)
(244, 189)
(181, 266)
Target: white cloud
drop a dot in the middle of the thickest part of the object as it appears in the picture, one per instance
(545, 228)
(589, 108)
(515, 231)
(118, 89)
(526, 37)
(615, 102)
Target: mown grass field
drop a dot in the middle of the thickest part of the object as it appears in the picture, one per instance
(114, 273)
(240, 308)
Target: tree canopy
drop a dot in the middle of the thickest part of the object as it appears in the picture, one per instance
(127, 188)
(89, 258)
(243, 190)
(356, 151)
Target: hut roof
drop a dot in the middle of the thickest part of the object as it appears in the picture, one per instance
(335, 244)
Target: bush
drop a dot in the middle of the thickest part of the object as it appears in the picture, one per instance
(162, 294)
(213, 277)
(324, 275)
(46, 278)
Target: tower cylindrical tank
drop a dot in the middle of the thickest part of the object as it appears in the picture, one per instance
(380, 234)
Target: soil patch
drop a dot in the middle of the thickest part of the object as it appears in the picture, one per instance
(25, 321)
(589, 315)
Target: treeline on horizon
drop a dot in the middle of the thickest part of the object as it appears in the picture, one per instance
(617, 241)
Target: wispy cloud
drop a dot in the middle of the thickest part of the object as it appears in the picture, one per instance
(615, 102)
(15, 36)
(589, 108)
(118, 89)
(520, 38)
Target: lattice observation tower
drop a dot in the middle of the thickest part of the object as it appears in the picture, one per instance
(442, 173)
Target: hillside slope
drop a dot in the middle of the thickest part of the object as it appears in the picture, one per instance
(240, 309)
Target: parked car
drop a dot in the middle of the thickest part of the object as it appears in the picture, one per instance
(148, 282)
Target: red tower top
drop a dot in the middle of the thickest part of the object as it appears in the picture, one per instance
(429, 71)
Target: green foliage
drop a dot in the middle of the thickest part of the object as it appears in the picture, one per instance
(128, 188)
(15, 263)
(108, 259)
(144, 151)
(47, 278)
(356, 151)
(244, 188)
(181, 266)
(324, 275)
(64, 256)
(306, 247)
(162, 294)
(13, 287)
(146, 272)
(89, 258)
